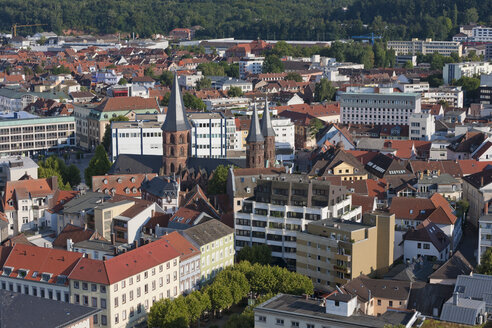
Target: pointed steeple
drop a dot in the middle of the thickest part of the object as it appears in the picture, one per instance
(254, 134)
(176, 119)
(266, 122)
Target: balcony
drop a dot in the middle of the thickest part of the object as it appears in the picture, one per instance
(342, 268)
(343, 257)
(341, 281)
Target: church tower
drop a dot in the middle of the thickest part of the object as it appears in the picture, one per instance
(269, 135)
(255, 144)
(176, 137)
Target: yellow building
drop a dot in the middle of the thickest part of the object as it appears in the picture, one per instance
(125, 287)
(337, 162)
(332, 252)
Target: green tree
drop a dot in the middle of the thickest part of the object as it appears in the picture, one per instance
(106, 142)
(122, 81)
(196, 305)
(212, 69)
(462, 207)
(193, 102)
(166, 78)
(324, 91)
(261, 254)
(235, 92)
(236, 282)
(485, 266)
(60, 70)
(217, 184)
(408, 64)
(272, 64)
(471, 15)
(149, 71)
(470, 85)
(315, 126)
(220, 297)
(263, 280)
(167, 313)
(55, 166)
(294, 77)
(204, 83)
(72, 175)
(98, 165)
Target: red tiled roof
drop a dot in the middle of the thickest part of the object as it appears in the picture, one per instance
(60, 198)
(436, 208)
(316, 110)
(75, 233)
(127, 103)
(471, 166)
(482, 150)
(366, 202)
(126, 264)
(21, 189)
(181, 245)
(39, 260)
(121, 183)
(364, 156)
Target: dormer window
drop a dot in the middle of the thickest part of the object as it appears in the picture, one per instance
(23, 273)
(411, 211)
(134, 190)
(7, 271)
(61, 280)
(119, 180)
(46, 277)
(132, 180)
(105, 181)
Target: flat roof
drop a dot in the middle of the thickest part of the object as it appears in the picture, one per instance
(341, 224)
(39, 120)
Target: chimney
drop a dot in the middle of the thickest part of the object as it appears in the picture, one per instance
(481, 181)
(85, 227)
(113, 239)
(456, 298)
(88, 255)
(135, 243)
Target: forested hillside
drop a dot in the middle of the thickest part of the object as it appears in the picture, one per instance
(267, 19)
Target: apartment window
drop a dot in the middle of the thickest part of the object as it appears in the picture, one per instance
(116, 287)
(116, 302)
(279, 322)
(153, 271)
(85, 286)
(116, 318)
(85, 300)
(153, 285)
(379, 302)
(161, 282)
(130, 281)
(76, 284)
(95, 318)
(103, 303)
(138, 278)
(426, 246)
(104, 320)
(123, 284)
(294, 324)
(103, 289)
(261, 318)
(146, 275)
(390, 303)
(76, 297)
(94, 301)
(168, 264)
(131, 295)
(123, 299)
(419, 245)
(123, 315)
(160, 268)
(132, 311)
(138, 292)
(309, 325)
(146, 288)
(93, 287)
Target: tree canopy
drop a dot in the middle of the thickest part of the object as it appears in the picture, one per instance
(235, 92)
(217, 184)
(98, 165)
(485, 266)
(261, 254)
(68, 176)
(324, 91)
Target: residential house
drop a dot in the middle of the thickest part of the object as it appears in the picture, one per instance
(484, 151)
(25, 201)
(73, 234)
(426, 241)
(162, 190)
(477, 189)
(126, 286)
(121, 184)
(215, 240)
(484, 234)
(334, 135)
(448, 272)
(337, 162)
(37, 271)
(189, 262)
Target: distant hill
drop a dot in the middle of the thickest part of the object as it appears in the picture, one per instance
(267, 19)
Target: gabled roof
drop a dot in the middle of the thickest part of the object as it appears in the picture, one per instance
(176, 119)
(435, 209)
(429, 232)
(366, 288)
(39, 260)
(76, 234)
(482, 149)
(124, 265)
(333, 158)
(207, 232)
(127, 104)
(480, 179)
(24, 189)
(122, 184)
(452, 268)
(254, 134)
(181, 245)
(161, 187)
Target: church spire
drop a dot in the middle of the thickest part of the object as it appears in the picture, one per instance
(254, 134)
(266, 122)
(176, 119)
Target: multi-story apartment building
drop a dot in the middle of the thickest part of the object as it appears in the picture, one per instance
(250, 65)
(486, 88)
(113, 107)
(284, 205)
(34, 135)
(106, 76)
(426, 47)
(25, 201)
(454, 71)
(215, 240)
(212, 135)
(453, 96)
(81, 114)
(422, 126)
(125, 287)
(189, 261)
(367, 107)
(484, 234)
(332, 252)
(37, 271)
(13, 168)
(482, 34)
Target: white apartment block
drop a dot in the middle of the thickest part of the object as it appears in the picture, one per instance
(33, 135)
(453, 96)
(226, 103)
(484, 235)
(414, 87)
(81, 114)
(422, 126)
(250, 64)
(378, 108)
(282, 206)
(454, 71)
(482, 34)
(212, 135)
(188, 81)
(425, 47)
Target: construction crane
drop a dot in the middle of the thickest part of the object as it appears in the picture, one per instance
(15, 26)
(371, 37)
